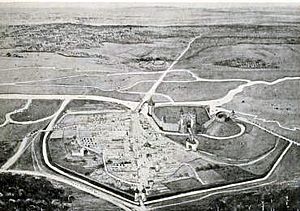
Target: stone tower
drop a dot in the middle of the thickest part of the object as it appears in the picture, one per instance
(181, 125)
(193, 119)
(151, 105)
(187, 121)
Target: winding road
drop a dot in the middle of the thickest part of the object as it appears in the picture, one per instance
(151, 92)
(137, 107)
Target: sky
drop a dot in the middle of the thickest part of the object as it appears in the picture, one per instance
(160, 1)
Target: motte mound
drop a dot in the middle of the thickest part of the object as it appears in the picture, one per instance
(223, 129)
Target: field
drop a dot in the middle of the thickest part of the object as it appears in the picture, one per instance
(105, 48)
(245, 52)
(279, 102)
(254, 62)
(67, 90)
(264, 165)
(26, 161)
(7, 106)
(8, 147)
(11, 135)
(88, 105)
(179, 75)
(91, 63)
(232, 67)
(238, 149)
(201, 91)
(142, 86)
(38, 109)
(241, 148)
(275, 128)
(90, 202)
(288, 170)
(51, 76)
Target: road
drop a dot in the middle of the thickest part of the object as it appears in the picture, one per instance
(114, 198)
(26, 141)
(103, 151)
(76, 184)
(83, 185)
(151, 92)
(7, 116)
(241, 132)
(229, 96)
(264, 129)
(129, 104)
(269, 121)
(136, 106)
(11, 161)
(209, 195)
(225, 186)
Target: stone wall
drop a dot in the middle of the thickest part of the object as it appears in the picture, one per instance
(172, 127)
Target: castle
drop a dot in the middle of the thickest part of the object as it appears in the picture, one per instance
(186, 122)
(193, 121)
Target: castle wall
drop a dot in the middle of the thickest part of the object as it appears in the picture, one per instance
(172, 127)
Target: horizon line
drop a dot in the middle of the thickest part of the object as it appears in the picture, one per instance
(152, 2)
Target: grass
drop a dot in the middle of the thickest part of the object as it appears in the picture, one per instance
(86, 105)
(67, 90)
(11, 135)
(288, 169)
(178, 76)
(38, 109)
(7, 150)
(196, 91)
(25, 161)
(9, 105)
(252, 144)
(141, 87)
(82, 47)
(223, 129)
(101, 81)
(183, 184)
(27, 70)
(233, 173)
(265, 56)
(262, 166)
(293, 135)
(85, 201)
(279, 102)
